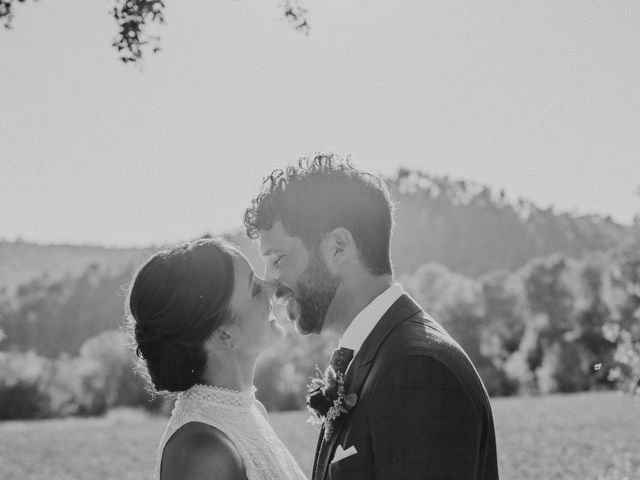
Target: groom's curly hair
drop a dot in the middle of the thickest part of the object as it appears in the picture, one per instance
(321, 193)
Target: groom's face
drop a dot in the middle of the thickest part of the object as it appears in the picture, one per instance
(303, 280)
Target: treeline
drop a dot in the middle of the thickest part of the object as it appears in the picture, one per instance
(474, 230)
(556, 325)
(100, 377)
(61, 349)
(52, 317)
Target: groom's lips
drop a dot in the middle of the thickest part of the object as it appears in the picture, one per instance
(287, 297)
(292, 308)
(281, 304)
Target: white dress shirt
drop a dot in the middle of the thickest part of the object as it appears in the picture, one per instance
(362, 325)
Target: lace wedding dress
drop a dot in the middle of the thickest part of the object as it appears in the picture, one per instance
(244, 420)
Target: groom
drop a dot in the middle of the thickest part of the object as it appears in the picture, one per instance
(414, 405)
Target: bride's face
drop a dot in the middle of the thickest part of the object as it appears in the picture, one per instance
(254, 327)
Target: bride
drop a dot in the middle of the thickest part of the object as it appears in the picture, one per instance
(200, 317)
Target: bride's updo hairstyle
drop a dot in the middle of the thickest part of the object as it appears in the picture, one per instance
(177, 299)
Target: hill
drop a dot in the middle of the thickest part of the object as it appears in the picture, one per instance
(21, 262)
(473, 230)
(462, 225)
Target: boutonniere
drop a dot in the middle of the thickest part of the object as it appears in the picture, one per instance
(327, 399)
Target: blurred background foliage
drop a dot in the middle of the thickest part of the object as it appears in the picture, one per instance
(542, 302)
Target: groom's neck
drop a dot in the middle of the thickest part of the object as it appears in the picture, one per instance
(352, 296)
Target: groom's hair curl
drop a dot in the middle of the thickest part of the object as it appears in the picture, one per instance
(321, 193)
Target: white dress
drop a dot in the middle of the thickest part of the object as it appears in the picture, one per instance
(244, 420)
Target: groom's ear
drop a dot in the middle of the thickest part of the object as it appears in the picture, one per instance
(338, 246)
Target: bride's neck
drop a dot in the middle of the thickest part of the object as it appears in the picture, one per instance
(233, 373)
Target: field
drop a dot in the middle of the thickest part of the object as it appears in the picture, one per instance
(571, 437)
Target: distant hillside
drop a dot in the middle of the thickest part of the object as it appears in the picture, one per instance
(463, 225)
(21, 262)
(473, 230)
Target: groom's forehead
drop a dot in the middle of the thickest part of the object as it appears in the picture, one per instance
(275, 240)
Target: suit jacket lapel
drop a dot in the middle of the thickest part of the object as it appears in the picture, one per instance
(401, 309)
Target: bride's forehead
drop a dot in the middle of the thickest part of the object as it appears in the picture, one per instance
(241, 265)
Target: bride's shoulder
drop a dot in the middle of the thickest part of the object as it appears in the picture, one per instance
(197, 449)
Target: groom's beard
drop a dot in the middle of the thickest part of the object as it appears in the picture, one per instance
(316, 288)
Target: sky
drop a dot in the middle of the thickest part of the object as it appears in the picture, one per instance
(541, 98)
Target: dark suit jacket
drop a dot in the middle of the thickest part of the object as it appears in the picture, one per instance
(422, 409)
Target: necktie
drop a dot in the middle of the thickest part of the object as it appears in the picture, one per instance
(341, 358)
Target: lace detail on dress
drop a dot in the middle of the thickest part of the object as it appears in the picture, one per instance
(221, 395)
(242, 418)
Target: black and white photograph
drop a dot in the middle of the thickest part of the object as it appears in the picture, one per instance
(319, 240)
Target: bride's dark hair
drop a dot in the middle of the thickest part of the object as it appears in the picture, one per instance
(178, 298)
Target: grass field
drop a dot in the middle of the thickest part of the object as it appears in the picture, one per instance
(571, 437)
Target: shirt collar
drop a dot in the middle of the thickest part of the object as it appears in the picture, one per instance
(362, 325)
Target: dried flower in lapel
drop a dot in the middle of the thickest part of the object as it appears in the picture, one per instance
(327, 399)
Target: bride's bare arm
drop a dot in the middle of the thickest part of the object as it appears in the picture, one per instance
(200, 452)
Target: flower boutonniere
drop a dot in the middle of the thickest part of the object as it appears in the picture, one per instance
(327, 399)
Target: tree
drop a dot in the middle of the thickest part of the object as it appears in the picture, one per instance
(624, 327)
(506, 311)
(55, 317)
(111, 350)
(133, 17)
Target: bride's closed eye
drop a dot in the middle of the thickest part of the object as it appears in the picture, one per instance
(278, 261)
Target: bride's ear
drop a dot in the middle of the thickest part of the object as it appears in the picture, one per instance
(224, 339)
